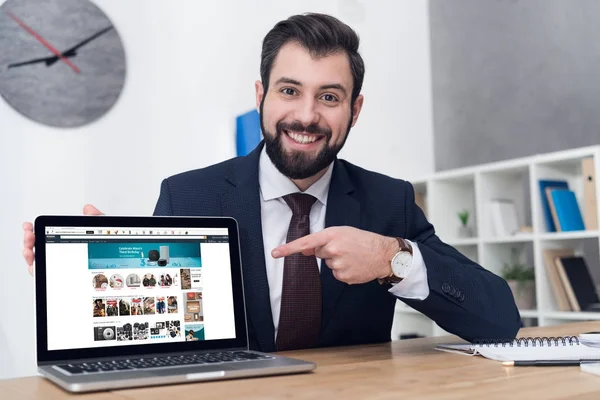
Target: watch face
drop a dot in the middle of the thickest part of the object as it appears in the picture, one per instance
(401, 262)
(62, 62)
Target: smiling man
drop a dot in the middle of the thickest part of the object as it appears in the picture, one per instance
(328, 247)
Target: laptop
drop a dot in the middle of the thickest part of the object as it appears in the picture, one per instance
(137, 301)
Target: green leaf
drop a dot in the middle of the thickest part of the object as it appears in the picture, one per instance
(463, 216)
(518, 272)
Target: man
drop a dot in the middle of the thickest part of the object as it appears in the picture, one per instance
(328, 247)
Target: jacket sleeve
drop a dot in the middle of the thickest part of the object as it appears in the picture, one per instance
(464, 298)
(163, 205)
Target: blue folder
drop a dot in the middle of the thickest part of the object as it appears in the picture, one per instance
(247, 135)
(545, 205)
(567, 210)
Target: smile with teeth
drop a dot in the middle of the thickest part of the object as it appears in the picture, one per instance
(302, 139)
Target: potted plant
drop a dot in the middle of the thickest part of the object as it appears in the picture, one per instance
(464, 230)
(521, 280)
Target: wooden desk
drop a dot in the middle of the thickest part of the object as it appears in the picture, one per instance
(408, 369)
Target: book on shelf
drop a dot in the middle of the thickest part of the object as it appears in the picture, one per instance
(578, 283)
(544, 184)
(565, 210)
(504, 218)
(590, 200)
(558, 289)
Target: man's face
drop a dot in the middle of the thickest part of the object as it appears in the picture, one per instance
(306, 113)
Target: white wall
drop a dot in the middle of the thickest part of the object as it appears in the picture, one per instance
(191, 69)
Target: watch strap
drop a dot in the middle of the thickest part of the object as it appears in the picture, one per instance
(405, 245)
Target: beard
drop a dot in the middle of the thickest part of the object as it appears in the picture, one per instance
(297, 164)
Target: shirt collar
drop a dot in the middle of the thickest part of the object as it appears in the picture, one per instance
(273, 184)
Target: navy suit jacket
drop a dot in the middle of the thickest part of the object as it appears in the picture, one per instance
(464, 298)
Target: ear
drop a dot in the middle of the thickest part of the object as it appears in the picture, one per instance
(356, 108)
(260, 92)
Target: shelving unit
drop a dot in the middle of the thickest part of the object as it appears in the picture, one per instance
(472, 188)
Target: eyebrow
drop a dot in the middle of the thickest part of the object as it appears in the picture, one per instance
(288, 80)
(334, 86)
(295, 82)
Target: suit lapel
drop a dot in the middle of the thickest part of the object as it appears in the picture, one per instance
(242, 202)
(342, 210)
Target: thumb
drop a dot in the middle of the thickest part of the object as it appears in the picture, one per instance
(89, 209)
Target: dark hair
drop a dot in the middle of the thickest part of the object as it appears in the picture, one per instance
(321, 35)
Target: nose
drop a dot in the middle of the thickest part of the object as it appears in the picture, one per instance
(307, 112)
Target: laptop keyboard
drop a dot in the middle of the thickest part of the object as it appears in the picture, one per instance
(160, 362)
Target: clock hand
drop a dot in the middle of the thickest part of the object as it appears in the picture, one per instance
(52, 60)
(86, 41)
(48, 60)
(72, 52)
(43, 42)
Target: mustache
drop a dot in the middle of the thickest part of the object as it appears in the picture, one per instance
(300, 127)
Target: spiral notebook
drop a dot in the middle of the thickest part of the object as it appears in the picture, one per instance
(527, 349)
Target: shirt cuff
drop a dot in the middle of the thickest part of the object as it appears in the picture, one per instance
(414, 285)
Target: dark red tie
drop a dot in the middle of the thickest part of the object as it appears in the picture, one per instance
(300, 315)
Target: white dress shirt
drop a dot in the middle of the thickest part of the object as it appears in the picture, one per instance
(276, 216)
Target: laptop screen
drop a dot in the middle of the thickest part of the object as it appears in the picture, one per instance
(122, 286)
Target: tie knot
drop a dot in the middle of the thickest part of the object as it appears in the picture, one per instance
(300, 203)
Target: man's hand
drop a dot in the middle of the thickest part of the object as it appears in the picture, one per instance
(29, 237)
(354, 256)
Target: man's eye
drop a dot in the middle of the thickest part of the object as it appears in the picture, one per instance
(289, 91)
(329, 97)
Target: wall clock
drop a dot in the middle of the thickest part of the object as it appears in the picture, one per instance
(62, 62)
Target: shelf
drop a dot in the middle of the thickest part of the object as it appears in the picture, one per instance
(561, 315)
(569, 157)
(449, 192)
(572, 315)
(530, 237)
(528, 313)
(456, 176)
(462, 242)
(509, 239)
(566, 315)
(569, 235)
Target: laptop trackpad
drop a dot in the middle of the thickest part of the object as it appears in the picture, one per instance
(198, 370)
(199, 376)
(206, 372)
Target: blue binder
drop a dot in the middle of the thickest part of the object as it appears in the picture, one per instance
(567, 210)
(545, 205)
(247, 132)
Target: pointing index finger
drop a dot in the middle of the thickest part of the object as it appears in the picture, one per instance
(308, 242)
